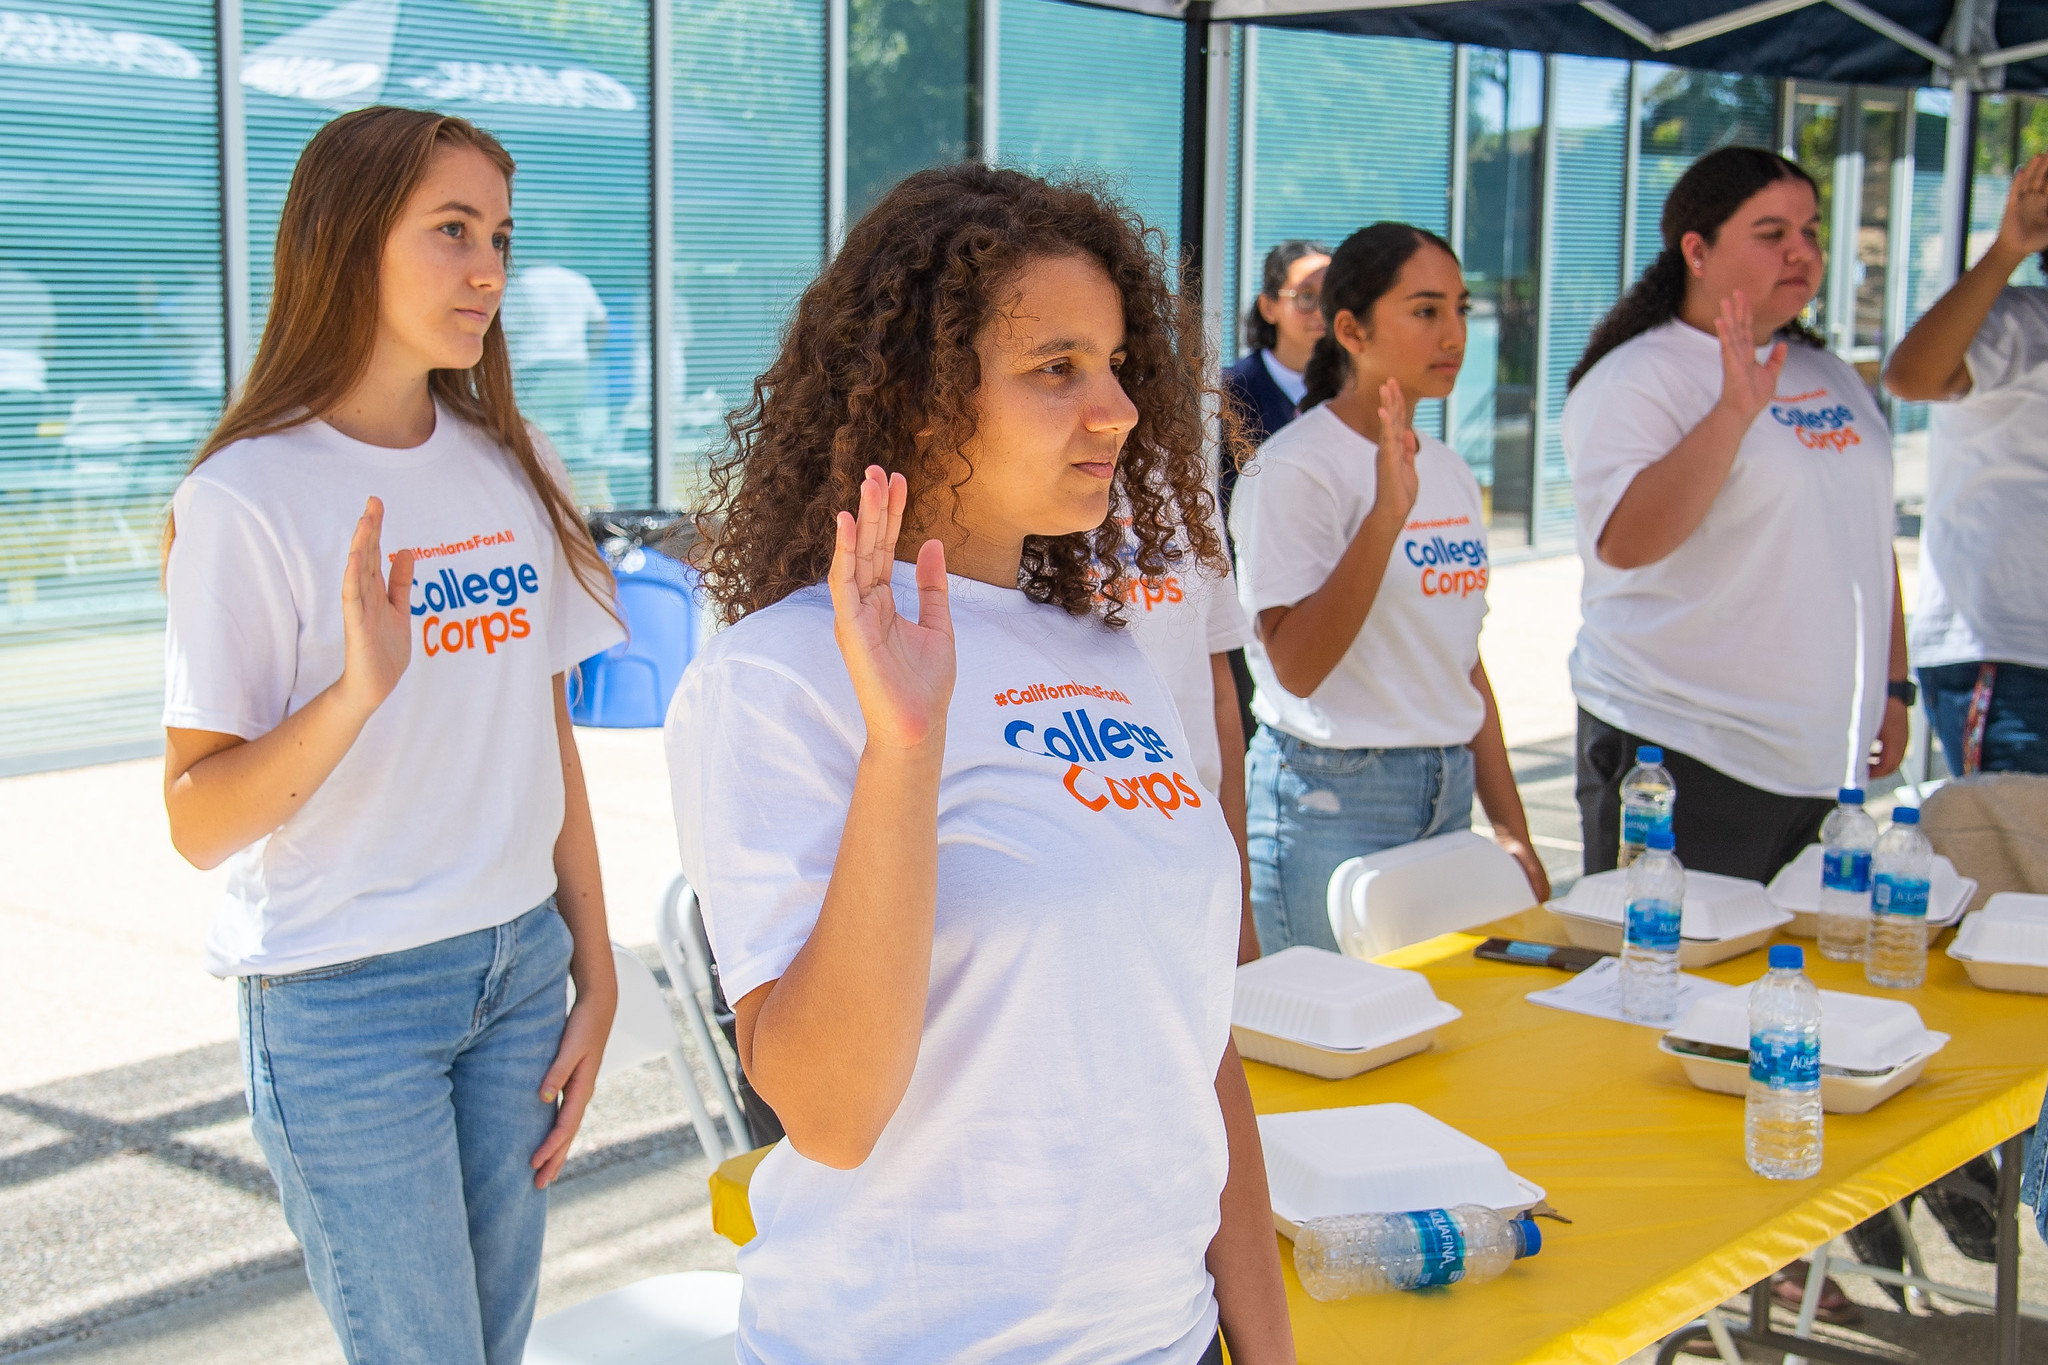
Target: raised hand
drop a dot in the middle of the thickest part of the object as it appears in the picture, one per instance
(2024, 228)
(376, 615)
(1396, 480)
(1746, 386)
(902, 670)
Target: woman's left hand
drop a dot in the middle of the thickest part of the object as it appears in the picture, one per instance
(1890, 749)
(573, 1076)
(1532, 866)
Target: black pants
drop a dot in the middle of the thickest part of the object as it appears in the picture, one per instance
(1214, 1355)
(1241, 672)
(1720, 825)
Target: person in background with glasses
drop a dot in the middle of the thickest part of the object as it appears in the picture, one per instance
(1280, 331)
(1980, 630)
(1266, 384)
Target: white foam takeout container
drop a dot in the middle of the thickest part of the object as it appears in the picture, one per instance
(1723, 917)
(1797, 888)
(1380, 1158)
(1312, 1010)
(1871, 1047)
(2004, 946)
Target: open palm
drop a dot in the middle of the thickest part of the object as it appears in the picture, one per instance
(1746, 385)
(902, 670)
(376, 618)
(2025, 225)
(1398, 483)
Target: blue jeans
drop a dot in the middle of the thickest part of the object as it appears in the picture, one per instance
(397, 1102)
(1307, 809)
(2015, 731)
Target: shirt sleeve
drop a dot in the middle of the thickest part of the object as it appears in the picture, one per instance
(1614, 427)
(1223, 616)
(579, 625)
(1289, 534)
(762, 775)
(231, 638)
(2012, 345)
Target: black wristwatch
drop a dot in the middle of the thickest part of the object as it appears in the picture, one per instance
(1903, 689)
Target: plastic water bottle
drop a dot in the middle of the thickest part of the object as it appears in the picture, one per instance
(1649, 951)
(1897, 954)
(1647, 796)
(1373, 1253)
(1846, 840)
(1781, 1117)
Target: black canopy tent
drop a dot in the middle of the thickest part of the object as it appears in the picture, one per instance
(1967, 45)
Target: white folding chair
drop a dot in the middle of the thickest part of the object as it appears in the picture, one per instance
(689, 1318)
(643, 1030)
(686, 952)
(1404, 895)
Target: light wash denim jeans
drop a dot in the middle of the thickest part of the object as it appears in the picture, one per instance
(1307, 809)
(397, 1101)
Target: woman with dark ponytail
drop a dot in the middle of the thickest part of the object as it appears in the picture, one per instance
(1734, 490)
(1362, 560)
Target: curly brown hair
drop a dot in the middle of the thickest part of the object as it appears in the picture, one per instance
(878, 367)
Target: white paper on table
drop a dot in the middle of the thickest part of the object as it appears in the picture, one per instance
(1597, 991)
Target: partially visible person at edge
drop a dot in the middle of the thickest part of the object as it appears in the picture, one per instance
(1362, 561)
(1266, 384)
(1189, 624)
(1980, 630)
(1733, 482)
(1280, 332)
(384, 759)
(977, 918)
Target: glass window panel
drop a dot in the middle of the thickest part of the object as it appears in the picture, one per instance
(2010, 129)
(1323, 168)
(1490, 410)
(1059, 114)
(909, 99)
(750, 200)
(111, 348)
(564, 87)
(1591, 132)
(1684, 115)
(1816, 146)
(1927, 270)
(1880, 121)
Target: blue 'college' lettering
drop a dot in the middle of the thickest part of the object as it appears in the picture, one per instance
(1086, 740)
(446, 592)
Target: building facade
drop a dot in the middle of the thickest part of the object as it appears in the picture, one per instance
(684, 167)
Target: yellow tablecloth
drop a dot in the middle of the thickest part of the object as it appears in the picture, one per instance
(1667, 1217)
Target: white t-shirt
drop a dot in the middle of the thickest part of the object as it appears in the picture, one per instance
(1047, 1189)
(1180, 619)
(441, 819)
(1984, 545)
(1739, 647)
(1293, 383)
(548, 313)
(1406, 681)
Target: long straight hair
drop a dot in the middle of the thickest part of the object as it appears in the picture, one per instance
(350, 186)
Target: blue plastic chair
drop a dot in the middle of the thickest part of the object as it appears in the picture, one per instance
(629, 685)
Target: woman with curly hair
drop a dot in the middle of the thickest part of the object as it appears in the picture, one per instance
(976, 915)
(1734, 488)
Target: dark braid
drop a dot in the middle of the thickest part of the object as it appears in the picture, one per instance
(1705, 197)
(1259, 334)
(1361, 272)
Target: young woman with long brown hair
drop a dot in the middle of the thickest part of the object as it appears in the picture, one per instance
(976, 916)
(385, 761)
